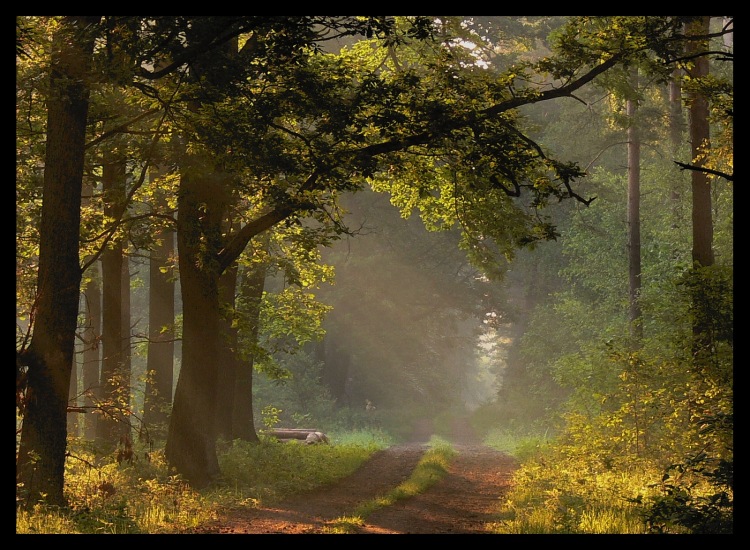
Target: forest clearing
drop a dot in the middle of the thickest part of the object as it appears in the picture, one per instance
(374, 274)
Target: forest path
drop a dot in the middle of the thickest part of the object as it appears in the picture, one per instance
(460, 503)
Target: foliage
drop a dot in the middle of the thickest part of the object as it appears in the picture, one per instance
(433, 124)
(658, 413)
(566, 486)
(143, 498)
(660, 439)
(299, 398)
(697, 495)
(107, 497)
(522, 444)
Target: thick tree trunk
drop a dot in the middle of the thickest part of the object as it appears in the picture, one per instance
(160, 362)
(40, 463)
(191, 440)
(201, 208)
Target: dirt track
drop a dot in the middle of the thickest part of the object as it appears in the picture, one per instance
(461, 503)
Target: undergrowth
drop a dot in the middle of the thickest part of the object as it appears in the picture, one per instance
(107, 497)
(559, 489)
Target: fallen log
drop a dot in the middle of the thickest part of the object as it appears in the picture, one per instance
(309, 436)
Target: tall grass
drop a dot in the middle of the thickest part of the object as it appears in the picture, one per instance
(105, 497)
(559, 491)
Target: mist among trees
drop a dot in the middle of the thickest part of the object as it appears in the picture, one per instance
(226, 224)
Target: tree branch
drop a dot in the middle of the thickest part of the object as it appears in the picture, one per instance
(682, 165)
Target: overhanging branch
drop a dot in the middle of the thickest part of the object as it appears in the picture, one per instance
(728, 177)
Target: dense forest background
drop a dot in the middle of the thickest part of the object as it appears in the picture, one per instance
(228, 224)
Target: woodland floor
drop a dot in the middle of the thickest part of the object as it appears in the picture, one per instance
(461, 503)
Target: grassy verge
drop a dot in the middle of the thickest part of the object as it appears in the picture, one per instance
(563, 489)
(105, 497)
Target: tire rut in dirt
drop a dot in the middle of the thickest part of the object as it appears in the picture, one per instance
(463, 502)
(309, 512)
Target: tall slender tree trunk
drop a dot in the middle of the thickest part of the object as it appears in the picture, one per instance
(73, 396)
(228, 358)
(113, 373)
(703, 254)
(92, 335)
(634, 216)
(40, 465)
(126, 373)
(676, 130)
(160, 361)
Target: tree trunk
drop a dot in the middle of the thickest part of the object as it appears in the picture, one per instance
(251, 289)
(703, 254)
(336, 366)
(202, 206)
(126, 373)
(73, 396)
(114, 385)
(160, 362)
(634, 217)
(40, 464)
(676, 129)
(92, 349)
(91, 335)
(228, 358)
(191, 439)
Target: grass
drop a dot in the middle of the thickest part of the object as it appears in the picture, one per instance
(105, 497)
(555, 491)
(559, 490)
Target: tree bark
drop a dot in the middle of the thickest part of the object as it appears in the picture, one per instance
(703, 254)
(191, 439)
(125, 389)
(92, 334)
(114, 386)
(160, 361)
(228, 359)
(40, 463)
(202, 206)
(73, 396)
(251, 289)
